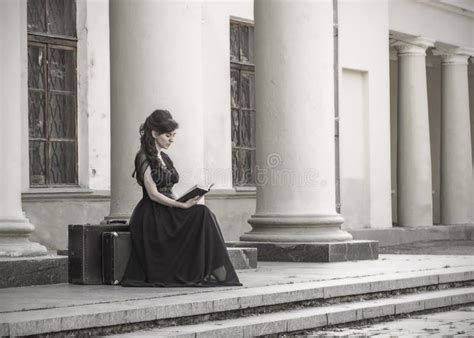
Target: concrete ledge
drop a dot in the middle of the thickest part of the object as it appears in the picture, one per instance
(313, 252)
(403, 235)
(26, 271)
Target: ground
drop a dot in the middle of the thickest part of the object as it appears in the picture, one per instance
(459, 321)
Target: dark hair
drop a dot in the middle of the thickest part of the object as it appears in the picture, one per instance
(161, 122)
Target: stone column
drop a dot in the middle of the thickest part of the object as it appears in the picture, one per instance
(456, 156)
(14, 227)
(295, 123)
(155, 63)
(414, 189)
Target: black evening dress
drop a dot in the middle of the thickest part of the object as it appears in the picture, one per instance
(173, 246)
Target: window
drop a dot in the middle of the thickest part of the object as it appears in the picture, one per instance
(242, 94)
(52, 99)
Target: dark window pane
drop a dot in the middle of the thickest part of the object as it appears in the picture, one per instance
(36, 114)
(62, 116)
(37, 163)
(234, 42)
(234, 88)
(36, 64)
(63, 163)
(235, 167)
(248, 167)
(246, 44)
(235, 127)
(36, 10)
(247, 129)
(62, 17)
(247, 90)
(61, 75)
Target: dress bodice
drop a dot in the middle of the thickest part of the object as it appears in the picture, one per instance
(164, 174)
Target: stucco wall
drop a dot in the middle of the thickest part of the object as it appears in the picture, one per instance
(364, 114)
(216, 86)
(52, 213)
(98, 94)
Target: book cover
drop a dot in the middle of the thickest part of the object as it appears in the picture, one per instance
(196, 190)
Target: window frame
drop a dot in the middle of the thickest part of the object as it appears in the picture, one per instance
(48, 42)
(242, 67)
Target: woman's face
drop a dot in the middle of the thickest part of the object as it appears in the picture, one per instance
(164, 140)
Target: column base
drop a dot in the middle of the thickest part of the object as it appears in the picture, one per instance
(20, 247)
(14, 240)
(296, 228)
(115, 219)
(313, 252)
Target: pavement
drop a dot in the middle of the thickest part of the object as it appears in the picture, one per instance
(459, 322)
(26, 301)
(459, 247)
(267, 274)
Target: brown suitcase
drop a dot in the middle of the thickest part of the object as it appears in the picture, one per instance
(116, 249)
(85, 251)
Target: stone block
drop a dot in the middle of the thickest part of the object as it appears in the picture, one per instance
(218, 330)
(386, 308)
(306, 322)
(312, 252)
(341, 316)
(456, 277)
(437, 302)
(463, 298)
(409, 306)
(347, 290)
(276, 325)
(26, 271)
(243, 258)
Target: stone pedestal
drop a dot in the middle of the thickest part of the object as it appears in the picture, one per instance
(456, 156)
(26, 271)
(14, 227)
(414, 190)
(295, 123)
(325, 252)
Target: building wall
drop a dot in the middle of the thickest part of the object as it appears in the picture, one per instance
(433, 74)
(364, 110)
(233, 208)
(426, 18)
(447, 26)
(367, 101)
(471, 106)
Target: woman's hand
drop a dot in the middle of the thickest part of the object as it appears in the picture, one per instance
(192, 201)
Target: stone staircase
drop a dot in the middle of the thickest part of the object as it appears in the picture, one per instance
(270, 303)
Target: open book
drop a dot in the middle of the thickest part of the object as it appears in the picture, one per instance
(197, 190)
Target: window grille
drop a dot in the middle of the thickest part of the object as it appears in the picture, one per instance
(52, 92)
(242, 94)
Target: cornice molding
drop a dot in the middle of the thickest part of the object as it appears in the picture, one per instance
(449, 7)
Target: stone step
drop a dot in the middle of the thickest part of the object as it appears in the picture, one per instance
(25, 271)
(53, 269)
(113, 310)
(316, 317)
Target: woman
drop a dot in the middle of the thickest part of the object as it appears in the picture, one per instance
(173, 243)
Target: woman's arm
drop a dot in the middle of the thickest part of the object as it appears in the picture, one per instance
(158, 197)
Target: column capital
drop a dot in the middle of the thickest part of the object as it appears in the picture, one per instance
(454, 56)
(412, 46)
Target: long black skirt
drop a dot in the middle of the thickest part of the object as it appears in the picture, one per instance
(176, 247)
